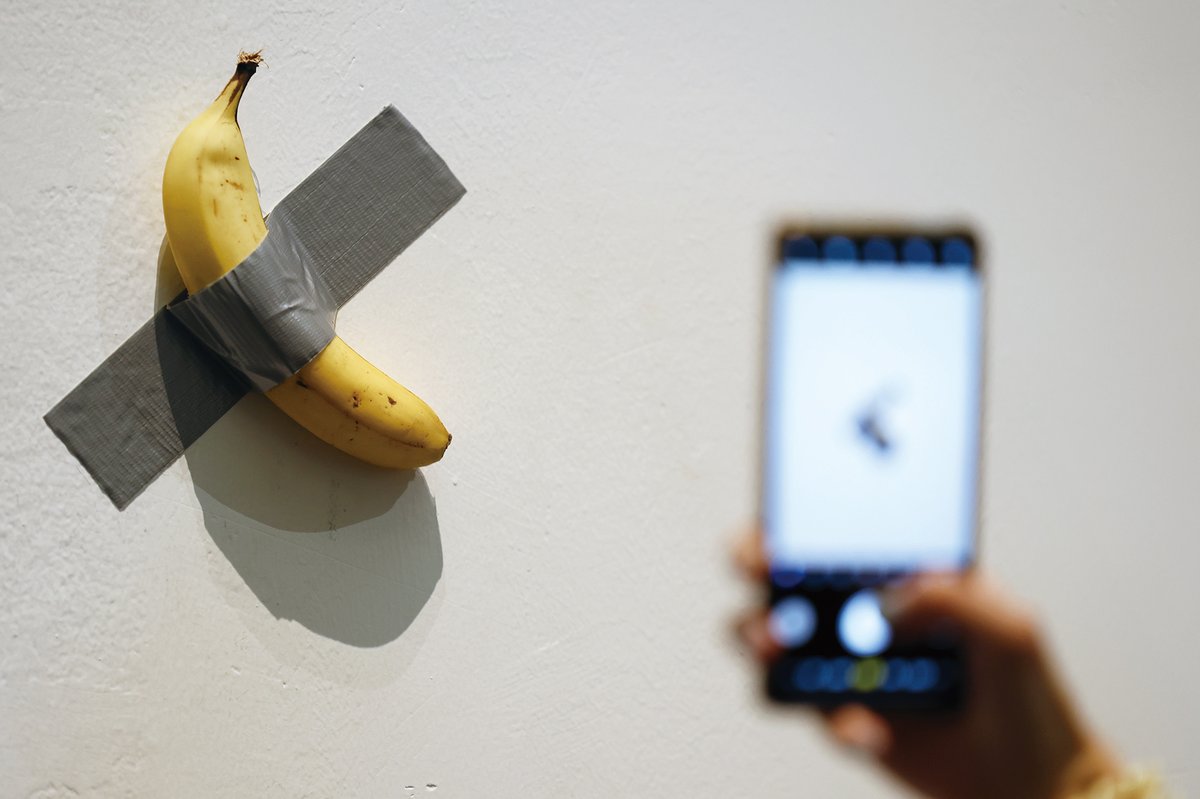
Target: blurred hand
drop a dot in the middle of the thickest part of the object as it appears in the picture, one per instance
(1017, 736)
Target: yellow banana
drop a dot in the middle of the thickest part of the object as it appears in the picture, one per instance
(214, 221)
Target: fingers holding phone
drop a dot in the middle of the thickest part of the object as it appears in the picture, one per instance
(1016, 731)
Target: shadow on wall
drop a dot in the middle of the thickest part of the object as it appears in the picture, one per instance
(348, 550)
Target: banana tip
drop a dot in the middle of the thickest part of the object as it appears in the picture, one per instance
(250, 61)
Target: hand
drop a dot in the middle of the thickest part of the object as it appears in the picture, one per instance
(1017, 735)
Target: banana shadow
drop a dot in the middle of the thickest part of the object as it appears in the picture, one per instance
(348, 550)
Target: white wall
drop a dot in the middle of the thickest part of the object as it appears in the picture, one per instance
(544, 613)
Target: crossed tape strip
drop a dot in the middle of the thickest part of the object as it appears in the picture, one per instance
(270, 315)
(137, 412)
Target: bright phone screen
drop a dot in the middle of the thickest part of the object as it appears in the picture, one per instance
(872, 417)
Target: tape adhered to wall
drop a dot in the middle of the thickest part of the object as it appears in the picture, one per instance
(162, 389)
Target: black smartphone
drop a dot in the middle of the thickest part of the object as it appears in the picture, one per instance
(873, 380)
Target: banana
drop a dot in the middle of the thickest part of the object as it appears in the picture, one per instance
(214, 221)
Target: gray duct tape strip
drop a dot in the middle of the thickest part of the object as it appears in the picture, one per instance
(138, 411)
(270, 315)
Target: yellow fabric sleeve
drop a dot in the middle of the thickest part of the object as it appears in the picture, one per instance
(1135, 784)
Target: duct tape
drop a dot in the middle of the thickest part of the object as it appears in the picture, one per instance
(137, 412)
(268, 316)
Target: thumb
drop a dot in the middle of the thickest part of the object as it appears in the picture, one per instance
(977, 608)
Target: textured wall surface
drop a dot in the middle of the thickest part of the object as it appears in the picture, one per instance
(544, 613)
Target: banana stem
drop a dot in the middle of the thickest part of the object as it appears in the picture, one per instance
(251, 61)
(247, 65)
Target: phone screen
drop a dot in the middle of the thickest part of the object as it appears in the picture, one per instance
(871, 454)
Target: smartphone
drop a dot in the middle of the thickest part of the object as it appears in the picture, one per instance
(871, 450)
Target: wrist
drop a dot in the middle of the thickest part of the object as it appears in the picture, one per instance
(1093, 764)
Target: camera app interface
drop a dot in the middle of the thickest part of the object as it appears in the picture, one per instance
(871, 440)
